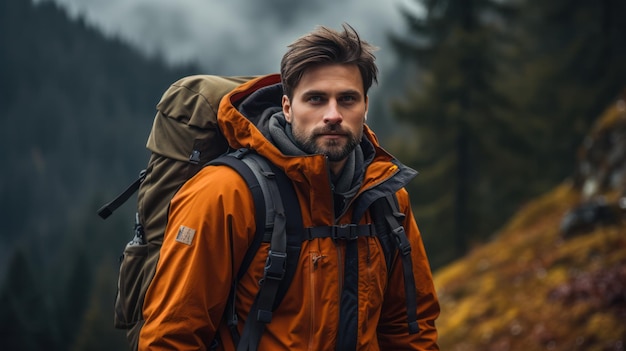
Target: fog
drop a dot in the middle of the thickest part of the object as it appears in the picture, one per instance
(236, 37)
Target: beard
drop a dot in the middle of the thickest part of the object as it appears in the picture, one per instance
(335, 149)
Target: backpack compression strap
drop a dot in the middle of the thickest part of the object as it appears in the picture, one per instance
(105, 211)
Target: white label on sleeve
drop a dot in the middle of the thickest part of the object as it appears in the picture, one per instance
(185, 235)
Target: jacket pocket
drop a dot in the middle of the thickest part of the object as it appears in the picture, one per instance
(315, 263)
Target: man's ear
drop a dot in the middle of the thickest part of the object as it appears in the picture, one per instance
(286, 108)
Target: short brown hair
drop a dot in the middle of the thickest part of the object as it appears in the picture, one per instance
(327, 46)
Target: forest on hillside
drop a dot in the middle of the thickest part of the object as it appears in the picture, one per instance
(554, 278)
(506, 93)
(499, 100)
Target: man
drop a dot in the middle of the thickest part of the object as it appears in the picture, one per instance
(315, 132)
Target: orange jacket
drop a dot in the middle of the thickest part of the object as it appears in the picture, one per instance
(185, 302)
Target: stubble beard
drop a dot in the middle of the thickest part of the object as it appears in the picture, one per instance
(333, 149)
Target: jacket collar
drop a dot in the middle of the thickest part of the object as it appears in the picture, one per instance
(244, 123)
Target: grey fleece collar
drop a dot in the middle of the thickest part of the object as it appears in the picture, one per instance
(345, 184)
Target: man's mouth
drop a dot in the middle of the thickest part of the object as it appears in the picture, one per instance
(331, 135)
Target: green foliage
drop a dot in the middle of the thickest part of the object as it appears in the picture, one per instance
(97, 321)
(505, 93)
(25, 321)
(569, 68)
(455, 108)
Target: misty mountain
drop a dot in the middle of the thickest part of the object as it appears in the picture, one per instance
(76, 110)
(223, 36)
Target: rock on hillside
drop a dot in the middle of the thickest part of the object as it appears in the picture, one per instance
(554, 278)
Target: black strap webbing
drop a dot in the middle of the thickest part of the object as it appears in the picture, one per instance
(105, 211)
(273, 289)
(234, 161)
(339, 232)
(294, 230)
(275, 264)
(393, 217)
(277, 212)
(256, 189)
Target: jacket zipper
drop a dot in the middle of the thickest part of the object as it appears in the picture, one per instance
(341, 266)
(314, 258)
(338, 246)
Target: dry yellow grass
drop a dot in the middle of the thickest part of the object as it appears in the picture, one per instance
(531, 289)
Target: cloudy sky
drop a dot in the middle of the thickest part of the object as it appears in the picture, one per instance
(236, 37)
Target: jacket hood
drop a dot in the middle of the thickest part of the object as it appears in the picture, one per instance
(244, 116)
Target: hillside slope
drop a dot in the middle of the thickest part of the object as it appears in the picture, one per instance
(554, 278)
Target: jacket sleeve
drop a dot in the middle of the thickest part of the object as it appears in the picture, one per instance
(393, 327)
(184, 304)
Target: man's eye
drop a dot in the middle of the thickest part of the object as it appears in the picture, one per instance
(348, 98)
(315, 99)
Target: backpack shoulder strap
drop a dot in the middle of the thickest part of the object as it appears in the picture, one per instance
(275, 264)
(234, 161)
(283, 255)
(258, 189)
(279, 222)
(388, 222)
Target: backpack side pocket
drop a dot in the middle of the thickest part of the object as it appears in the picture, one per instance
(128, 300)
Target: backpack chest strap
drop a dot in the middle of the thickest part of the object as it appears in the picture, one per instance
(342, 231)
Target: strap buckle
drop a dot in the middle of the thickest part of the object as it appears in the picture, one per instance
(275, 265)
(344, 231)
(403, 242)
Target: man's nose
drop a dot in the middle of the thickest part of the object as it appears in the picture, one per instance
(332, 115)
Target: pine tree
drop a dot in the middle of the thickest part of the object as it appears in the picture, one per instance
(24, 320)
(456, 109)
(573, 67)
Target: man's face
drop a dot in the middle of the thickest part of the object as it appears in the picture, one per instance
(328, 110)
